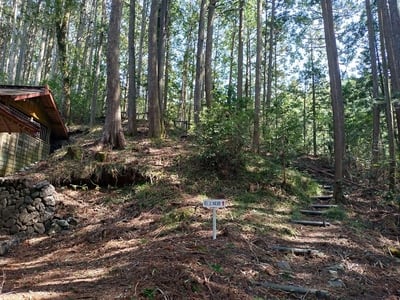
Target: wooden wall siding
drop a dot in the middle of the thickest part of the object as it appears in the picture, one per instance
(18, 150)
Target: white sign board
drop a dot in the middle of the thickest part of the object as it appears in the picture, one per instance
(214, 203)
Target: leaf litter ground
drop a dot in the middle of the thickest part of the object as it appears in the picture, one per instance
(135, 243)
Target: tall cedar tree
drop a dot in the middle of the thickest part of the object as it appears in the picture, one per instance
(113, 135)
(257, 100)
(375, 85)
(384, 45)
(199, 82)
(336, 97)
(63, 12)
(208, 58)
(132, 127)
(155, 128)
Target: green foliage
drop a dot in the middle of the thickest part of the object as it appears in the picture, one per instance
(177, 215)
(150, 195)
(223, 136)
(336, 213)
(247, 198)
(120, 196)
(149, 293)
(358, 126)
(216, 268)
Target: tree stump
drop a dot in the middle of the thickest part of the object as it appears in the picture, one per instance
(74, 153)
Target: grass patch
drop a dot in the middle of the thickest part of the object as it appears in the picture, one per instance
(177, 216)
(336, 213)
(119, 196)
(150, 195)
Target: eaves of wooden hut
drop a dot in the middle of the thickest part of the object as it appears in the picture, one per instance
(29, 123)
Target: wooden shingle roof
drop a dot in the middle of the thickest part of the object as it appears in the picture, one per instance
(36, 103)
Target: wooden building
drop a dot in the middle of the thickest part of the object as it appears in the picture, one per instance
(29, 124)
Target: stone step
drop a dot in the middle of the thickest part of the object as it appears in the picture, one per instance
(313, 212)
(311, 223)
(317, 205)
(322, 197)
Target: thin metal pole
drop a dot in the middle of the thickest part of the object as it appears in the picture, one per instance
(214, 223)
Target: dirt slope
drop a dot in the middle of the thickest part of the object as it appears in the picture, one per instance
(133, 243)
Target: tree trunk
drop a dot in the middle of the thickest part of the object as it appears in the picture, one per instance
(257, 86)
(132, 127)
(314, 103)
(11, 57)
(162, 41)
(199, 81)
(140, 49)
(153, 86)
(23, 39)
(182, 112)
(96, 67)
(240, 52)
(209, 47)
(391, 23)
(375, 87)
(248, 73)
(386, 90)
(231, 60)
(112, 131)
(270, 55)
(336, 97)
(63, 15)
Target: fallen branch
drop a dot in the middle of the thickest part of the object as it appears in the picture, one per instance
(320, 294)
(311, 223)
(162, 293)
(296, 250)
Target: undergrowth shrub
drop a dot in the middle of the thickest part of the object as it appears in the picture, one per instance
(222, 137)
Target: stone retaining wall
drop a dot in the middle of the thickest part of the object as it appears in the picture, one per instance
(26, 208)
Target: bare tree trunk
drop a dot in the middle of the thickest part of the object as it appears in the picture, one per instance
(162, 41)
(78, 54)
(182, 112)
(248, 73)
(231, 59)
(336, 97)
(209, 47)
(11, 57)
(314, 102)
(270, 55)
(63, 15)
(240, 52)
(199, 81)
(112, 131)
(38, 73)
(375, 86)
(257, 97)
(140, 49)
(153, 86)
(132, 127)
(22, 47)
(391, 23)
(386, 88)
(96, 67)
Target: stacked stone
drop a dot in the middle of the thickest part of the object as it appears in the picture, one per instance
(25, 208)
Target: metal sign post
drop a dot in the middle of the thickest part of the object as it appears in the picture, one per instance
(214, 204)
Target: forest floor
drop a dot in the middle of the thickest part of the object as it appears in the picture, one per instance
(152, 239)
